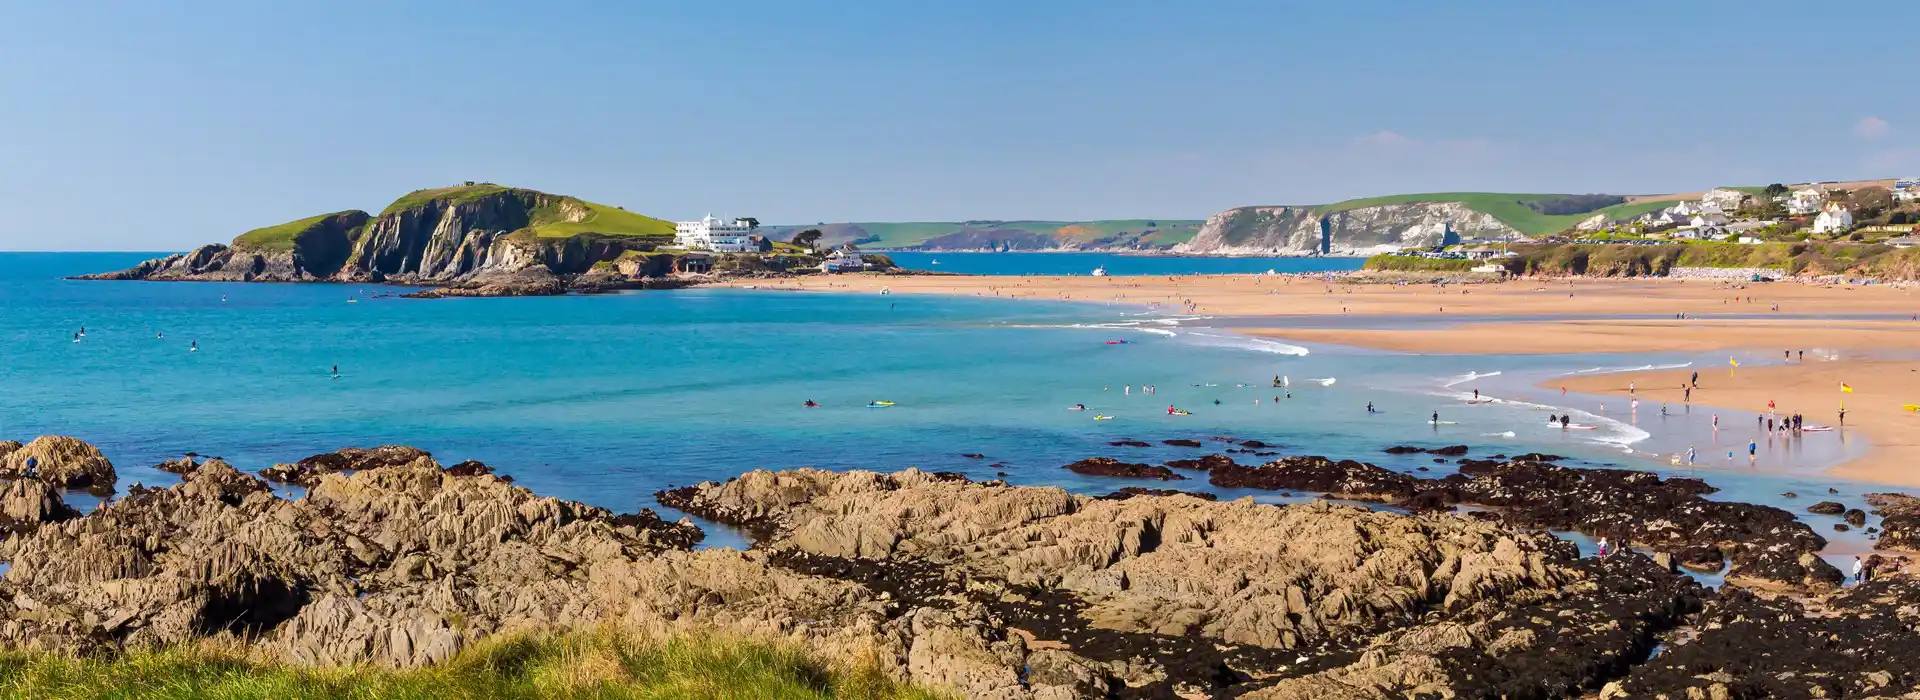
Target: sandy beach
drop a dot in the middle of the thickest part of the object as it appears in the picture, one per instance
(1280, 295)
(1874, 408)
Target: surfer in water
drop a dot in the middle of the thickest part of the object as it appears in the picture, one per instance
(1566, 421)
(1083, 407)
(1370, 407)
(1436, 417)
(1476, 394)
(810, 404)
(193, 346)
(336, 371)
(1276, 380)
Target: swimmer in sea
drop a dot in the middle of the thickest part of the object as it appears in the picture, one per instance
(336, 371)
(1370, 407)
(810, 404)
(1083, 407)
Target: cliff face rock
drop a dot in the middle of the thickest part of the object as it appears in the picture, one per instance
(432, 241)
(1305, 230)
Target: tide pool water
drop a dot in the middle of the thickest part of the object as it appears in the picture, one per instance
(1119, 265)
(607, 399)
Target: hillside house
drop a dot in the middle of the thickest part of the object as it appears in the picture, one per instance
(1833, 218)
(846, 258)
(1806, 200)
(1726, 199)
(1906, 190)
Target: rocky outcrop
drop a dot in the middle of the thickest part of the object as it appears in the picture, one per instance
(1153, 596)
(1307, 230)
(1107, 466)
(1348, 479)
(307, 472)
(1859, 643)
(1900, 521)
(59, 461)
(477, 241)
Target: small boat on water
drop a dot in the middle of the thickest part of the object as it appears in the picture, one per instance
(936, 261)
(1100, 271)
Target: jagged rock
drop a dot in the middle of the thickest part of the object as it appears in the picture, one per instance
(28, 503)
(1107, 466)
(59, 461)
(1181, 443)
(307, 472)
(1130, 443)
(1206, 463)
(182, 466)
(469, 468)
(1344, 479)
(1449, 451)
(1133, 491)
(1826, 508)
(1750, 646)
(1855, 517)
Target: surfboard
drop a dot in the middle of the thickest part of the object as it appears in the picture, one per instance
(1444, 422)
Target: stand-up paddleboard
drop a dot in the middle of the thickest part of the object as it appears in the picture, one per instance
(880, 404)
(1817, 428)
(1103, 417)
(1577, 426)
(1443, 422)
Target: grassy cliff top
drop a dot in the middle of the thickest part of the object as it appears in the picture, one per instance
(281, 236)
(601, 218)
(1509, 207)
(454, 195)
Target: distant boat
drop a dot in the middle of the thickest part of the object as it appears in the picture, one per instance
(1100, 272)
(936, 261)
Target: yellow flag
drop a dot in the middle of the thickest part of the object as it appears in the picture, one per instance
(1846, 387)
(1733, 362)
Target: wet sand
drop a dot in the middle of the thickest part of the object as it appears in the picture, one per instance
(1282, 295)
(1623, 335)
(1874, 410)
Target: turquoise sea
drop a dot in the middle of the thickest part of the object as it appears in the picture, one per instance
(606, 399)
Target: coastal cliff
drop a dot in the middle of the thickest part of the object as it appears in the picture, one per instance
(472, 237)
(1309, 230)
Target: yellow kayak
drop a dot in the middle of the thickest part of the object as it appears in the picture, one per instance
(1914, 407)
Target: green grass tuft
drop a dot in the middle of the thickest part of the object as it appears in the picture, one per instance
(608, 665)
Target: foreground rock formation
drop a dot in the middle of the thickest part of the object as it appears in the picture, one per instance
(58, 461)
(980, 589)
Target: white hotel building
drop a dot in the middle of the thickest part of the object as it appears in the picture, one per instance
(715, 235)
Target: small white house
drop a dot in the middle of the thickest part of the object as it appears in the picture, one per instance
(713, 234)
(1806, 200)
(844, 259)
(1685, 208)
(1833, 218)
(1708, 219)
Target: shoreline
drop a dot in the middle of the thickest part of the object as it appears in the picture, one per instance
(1881, 465)
(1880, 388)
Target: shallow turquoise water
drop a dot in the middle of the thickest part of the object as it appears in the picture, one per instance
(606, 399)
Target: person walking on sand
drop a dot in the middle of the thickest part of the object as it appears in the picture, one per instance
(1631, 389)
(1859, 567)
(1690, 455)
(1843, 415)
(1753, 452)
(1716, 422)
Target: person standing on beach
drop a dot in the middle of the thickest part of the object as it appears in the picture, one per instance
(1753, 452)
(1630, 389)
(1696, 378)
(1716, 421)
(1687, 395)
(1858, 567)
(1843, 415)
(1690, 455)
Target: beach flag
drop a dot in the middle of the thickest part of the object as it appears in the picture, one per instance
(1848, 388)
(1733, 362)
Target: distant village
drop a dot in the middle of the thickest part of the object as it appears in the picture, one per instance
(1776, 213)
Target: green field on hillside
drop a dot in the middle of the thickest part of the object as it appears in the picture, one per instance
(907, 234)
(603, 219)
(1509, 208)
(280, 237)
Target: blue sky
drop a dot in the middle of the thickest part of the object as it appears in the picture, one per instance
(156, 126)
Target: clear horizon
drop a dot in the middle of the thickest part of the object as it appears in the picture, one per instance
(131, 127)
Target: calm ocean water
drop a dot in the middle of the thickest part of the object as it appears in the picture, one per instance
(606, 399)
(1118, 265)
